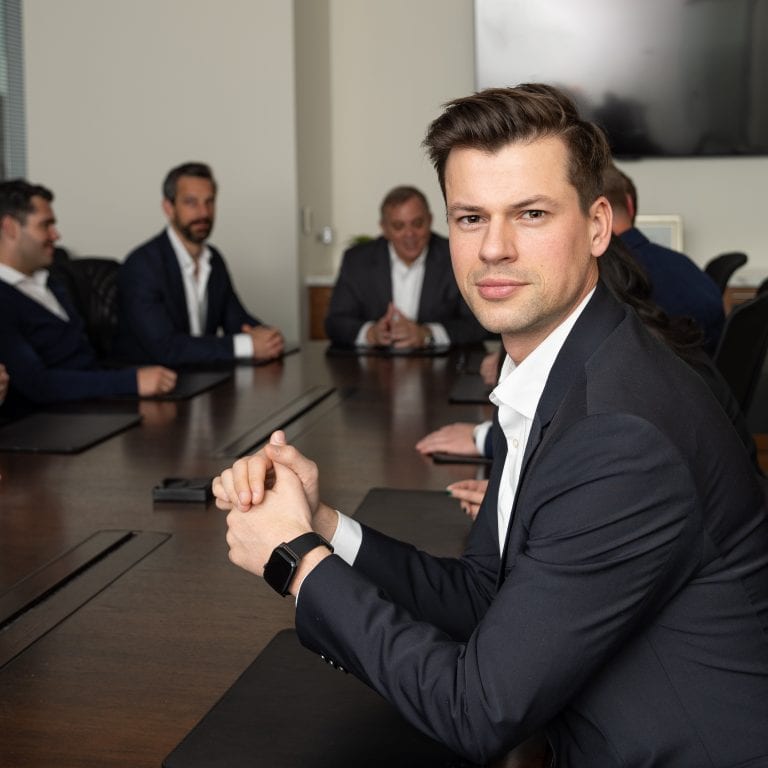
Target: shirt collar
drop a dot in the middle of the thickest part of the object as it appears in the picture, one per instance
(14, 277)
(397, 262)
(186, 262)
(520, 387)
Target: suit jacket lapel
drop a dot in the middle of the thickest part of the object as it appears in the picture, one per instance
(432, 285)
(381, 276)
(177, 304)
(599, 318)
(215, 294)
(59, 290)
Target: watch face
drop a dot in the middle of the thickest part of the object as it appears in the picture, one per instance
(279, 570)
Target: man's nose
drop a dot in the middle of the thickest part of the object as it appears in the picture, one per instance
(498, 244)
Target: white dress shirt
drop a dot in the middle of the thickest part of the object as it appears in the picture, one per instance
(407, 282)
(517, 395)
(35, 287)
(195, 276)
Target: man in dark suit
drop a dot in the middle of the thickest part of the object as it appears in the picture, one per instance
(399, 289)
(177, 305)
(680, 288)
(42, 338)
(613, 593)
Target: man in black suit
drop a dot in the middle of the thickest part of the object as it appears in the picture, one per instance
(42, 338)
(680, 288)
(613, 593)
(177, 305)
(399, 290)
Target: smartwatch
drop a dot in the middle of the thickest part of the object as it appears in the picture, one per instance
(284, 560)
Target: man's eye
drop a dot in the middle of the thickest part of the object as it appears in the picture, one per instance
(534, 214)
(469, 219)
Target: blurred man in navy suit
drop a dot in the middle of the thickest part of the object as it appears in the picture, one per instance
(42, 338)
(680, 288)
(177, 305)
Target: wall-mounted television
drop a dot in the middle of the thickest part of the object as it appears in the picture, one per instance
(665, 78)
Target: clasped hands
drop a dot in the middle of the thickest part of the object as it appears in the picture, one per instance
(268, 342)
(272, 497)
(397, 330)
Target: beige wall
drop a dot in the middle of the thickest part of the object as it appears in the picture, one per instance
(119, 92)
(723, 203)
(393, 62)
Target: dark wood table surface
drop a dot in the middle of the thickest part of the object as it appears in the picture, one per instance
(122, 678)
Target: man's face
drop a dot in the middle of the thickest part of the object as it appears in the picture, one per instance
(193, 211)
(407, 226)
(36, 238)
(523, 251)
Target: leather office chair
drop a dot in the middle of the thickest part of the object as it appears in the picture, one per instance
(723, 266)
(92, 284)
(741, 352)
(762, 288)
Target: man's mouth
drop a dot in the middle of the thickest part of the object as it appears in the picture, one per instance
(498, 288)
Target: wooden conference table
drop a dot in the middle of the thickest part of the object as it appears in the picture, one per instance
(130, 621)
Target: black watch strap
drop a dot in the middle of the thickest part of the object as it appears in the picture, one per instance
(306, 543)
(284, 561)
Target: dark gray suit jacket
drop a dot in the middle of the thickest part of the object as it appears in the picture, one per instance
(627, 615)
(153, 321)
(364, 289)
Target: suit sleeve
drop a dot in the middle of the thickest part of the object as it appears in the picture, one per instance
(347, 310)
(442, 302)
(145, 317)
(601, 548)
(40, 383)
(225, 309)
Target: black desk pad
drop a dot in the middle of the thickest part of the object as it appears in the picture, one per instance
(469, 388)
(436, 351)
(288, 349)
(190, 383)
(430, 520)
(291, 710)
(62, 432)
(471, 360)
(443, 457)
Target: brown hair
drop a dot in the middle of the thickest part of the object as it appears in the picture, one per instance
(16, 198)
(197, 170)
(490, 119)
(616, 186)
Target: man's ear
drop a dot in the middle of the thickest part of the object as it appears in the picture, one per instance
(630, 207)
(601, 223)
(10, 227)
(167, 208)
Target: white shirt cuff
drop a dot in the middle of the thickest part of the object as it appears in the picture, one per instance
(439, 334)
(243, 345)
(480, 433)
(348, 539)
(362, 335)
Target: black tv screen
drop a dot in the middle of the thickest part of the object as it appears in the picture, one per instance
(665, 78)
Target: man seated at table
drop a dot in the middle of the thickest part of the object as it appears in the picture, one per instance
(42, 338)
(399, 290)
(679, 287)
(613, 590)
(177, 305)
